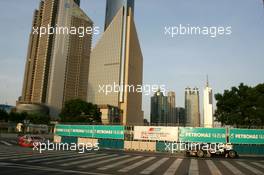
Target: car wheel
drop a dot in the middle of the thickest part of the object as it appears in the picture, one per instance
(208, 154)
(187, 154)
(200, 153)
(232, 154)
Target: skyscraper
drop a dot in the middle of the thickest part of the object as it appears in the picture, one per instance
(57, 64)
(180, 115)
(39, 54)
(208, 106)
(171, 108)
(159, 108)
(117, 59)
(192, 108)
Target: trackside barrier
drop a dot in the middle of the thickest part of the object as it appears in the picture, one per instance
(249, 149)
(87, 141)
(140, 146)
(69, 139)
(56, 139)
(111, 143)
(158, 138)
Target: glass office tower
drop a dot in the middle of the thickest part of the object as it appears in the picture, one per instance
(112, 7)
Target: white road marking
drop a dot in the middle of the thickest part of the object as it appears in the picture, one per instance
(193, 169)
(120, 163)
(232, 168)
(45, 169)
(33, 156)
(252, 169)
(88, 160)
(135, 165)
(258, 164)
(76, 158)
(154, 166)
(53, 158)
(6, 143)
(173, 168)
(103, 161)
(213, 168)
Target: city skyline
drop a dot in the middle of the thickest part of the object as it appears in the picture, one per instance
(238, 58)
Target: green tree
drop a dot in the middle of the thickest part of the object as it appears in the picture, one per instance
(37, 118)
(17, 117)
(3, 115)
(80, 111)
(241, 106)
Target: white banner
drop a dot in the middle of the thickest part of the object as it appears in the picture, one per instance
(162, 133)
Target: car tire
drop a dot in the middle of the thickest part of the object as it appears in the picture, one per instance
(232, 154)
(200, 153)
(187, 154)
(208, 154)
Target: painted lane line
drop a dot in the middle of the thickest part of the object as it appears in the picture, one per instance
(232, 168)
(135, 165)
(252, 169)
(103, 161)
(119, 163)
(75, 158)
(6, 143)
(173, 168)
(154, 166)
(52, 158)
(194, 169)
(213, 168)
(87, 160)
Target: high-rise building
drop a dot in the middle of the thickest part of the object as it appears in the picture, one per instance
(116, 60)
(159, 108)
(39, 54)
(180, 115)
(57, 64)
(208, 106)
(171, 108)
(192, 108)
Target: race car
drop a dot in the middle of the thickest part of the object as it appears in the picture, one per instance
(208, 150)
(29, 140)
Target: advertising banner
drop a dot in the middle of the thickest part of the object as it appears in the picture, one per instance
(246, 136)
(91, 131)
(160, 133)
(203, 135)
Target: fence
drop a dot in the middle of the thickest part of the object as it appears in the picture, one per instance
(156, 138)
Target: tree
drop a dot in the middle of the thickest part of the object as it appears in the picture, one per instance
(241, 106)
(80, 111)
(3, 115)
(17, 117)
(37, 118)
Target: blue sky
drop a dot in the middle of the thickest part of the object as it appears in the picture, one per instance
(176, 62)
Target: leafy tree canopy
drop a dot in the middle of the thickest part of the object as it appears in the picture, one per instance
(242, 106)
(80, 111)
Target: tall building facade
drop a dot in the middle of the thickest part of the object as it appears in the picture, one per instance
(159, 108)
(171, 108)
(57, 65)
(192, 107)
(208, 106)
(117, 60)
(180, 115)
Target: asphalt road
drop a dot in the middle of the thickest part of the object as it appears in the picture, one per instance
(22, 161)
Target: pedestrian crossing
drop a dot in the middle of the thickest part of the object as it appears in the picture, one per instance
(123, 163)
